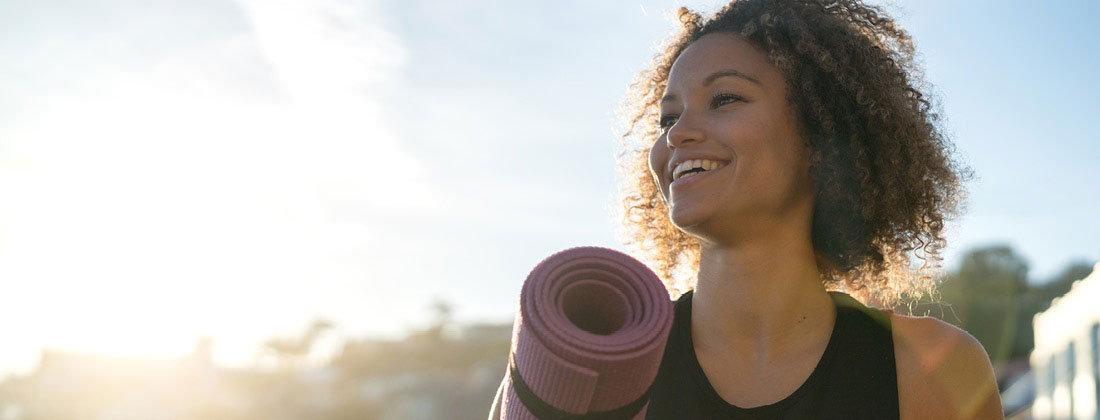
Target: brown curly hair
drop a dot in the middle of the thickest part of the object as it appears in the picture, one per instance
(884, 179)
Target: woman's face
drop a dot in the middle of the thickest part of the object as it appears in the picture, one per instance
(727, 103)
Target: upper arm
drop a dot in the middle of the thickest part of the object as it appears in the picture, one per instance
(943, 372)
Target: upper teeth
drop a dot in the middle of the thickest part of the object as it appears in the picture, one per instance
(695, 163)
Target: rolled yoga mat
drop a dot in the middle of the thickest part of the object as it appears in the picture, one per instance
(588, 338)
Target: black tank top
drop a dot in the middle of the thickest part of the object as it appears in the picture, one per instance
(855, 378)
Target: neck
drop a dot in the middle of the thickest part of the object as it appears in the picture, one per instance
(762, 300)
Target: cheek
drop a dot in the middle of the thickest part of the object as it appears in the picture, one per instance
(785, 159)
(658, 158)
(656, 161)
(759, 151)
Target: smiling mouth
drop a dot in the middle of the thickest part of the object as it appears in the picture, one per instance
(689, 178)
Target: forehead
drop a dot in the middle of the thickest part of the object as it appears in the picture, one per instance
(718, 52)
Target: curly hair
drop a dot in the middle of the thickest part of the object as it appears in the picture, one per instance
(884, 179)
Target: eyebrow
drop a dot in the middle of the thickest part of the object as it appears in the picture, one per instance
(715, 76)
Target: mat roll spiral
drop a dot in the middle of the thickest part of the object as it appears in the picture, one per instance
(589, 335)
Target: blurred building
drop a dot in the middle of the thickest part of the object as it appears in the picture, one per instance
(1066, 359)
(1018, 396)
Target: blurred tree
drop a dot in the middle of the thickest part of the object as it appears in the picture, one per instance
(1060, 284)
(990, 296)
(293, 351)
(990, 299)
(441, 311)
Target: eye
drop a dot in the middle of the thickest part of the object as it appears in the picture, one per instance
(724, 98)
(666, 121)
(718, 100)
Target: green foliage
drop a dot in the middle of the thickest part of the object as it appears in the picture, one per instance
(1060, 284)
(988, 293)
(990, 296)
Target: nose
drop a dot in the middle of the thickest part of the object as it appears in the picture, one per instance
(684, 130)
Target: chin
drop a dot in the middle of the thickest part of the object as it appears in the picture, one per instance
(708, 225)
(689, 220)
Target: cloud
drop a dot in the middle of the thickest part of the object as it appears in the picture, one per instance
(329, 56)
(200, 192)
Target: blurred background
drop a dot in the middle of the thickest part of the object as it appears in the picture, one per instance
(290, 209)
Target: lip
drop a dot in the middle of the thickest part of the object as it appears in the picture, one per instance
(694, 179)
(672, 164)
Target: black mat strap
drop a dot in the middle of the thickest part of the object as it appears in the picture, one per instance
(544, 411)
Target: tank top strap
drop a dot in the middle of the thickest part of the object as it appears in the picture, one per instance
(864, 372)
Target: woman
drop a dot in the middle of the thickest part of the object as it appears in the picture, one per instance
(788, 155)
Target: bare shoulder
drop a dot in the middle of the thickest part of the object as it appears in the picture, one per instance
(943, 372)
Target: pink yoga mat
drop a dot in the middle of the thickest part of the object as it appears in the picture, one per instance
(588, 338)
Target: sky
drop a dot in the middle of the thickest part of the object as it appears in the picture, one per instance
(234, 168)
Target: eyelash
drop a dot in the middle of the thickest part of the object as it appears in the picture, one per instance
(664, 121)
